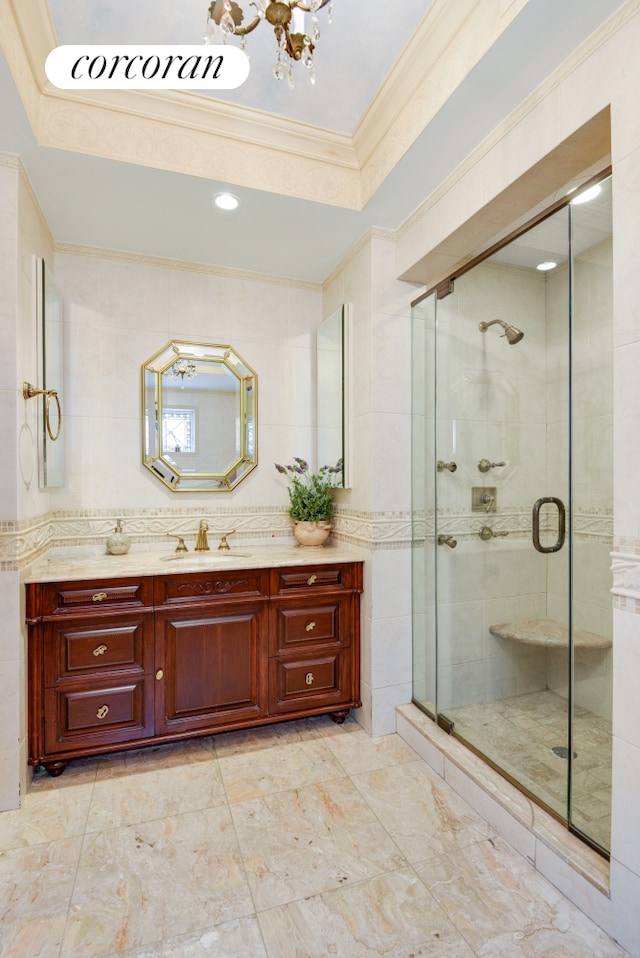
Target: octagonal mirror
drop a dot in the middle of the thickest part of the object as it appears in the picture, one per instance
(199, 417)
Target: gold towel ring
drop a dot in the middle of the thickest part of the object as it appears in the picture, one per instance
(29, 391)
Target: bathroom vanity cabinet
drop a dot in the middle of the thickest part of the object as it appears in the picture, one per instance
(123, 662)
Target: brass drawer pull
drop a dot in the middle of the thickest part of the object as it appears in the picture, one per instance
(311, 579)
(309, 678)
(310, 627)
(103, 711)
(99, 597)
(159, 674)
(100, 650)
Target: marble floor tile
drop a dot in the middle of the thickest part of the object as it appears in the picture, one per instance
(307, 840)
(156, 880)
(505, 909)
(240, 938)
(81, 771)
(358, 752)
(36, 884)
(310, 840)
(151, 793)
(268, 736)
(47, 814)
(422, 814)
(155, 757)
(292, 765)
(389, 916)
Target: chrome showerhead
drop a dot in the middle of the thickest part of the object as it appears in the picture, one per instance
(513, 334)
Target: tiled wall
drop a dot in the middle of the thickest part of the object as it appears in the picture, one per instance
(118, 312)
(380, 501)
(23, 234)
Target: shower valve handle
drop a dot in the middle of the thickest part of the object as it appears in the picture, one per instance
(447, 541)
(441, 466)
(489, 501)
(488, 533)
(485, 465)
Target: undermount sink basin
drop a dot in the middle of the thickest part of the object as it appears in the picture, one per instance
(209, 558)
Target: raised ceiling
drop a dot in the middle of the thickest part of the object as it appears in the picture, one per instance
(400, 100)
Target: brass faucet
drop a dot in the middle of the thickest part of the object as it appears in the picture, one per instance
(224, 545)
(202, 543)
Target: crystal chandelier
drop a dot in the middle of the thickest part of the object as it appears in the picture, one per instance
(287, 17)
(182, 370)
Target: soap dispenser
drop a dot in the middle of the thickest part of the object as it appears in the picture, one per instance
(118, 542)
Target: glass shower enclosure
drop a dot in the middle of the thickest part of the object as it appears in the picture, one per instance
(512, 510)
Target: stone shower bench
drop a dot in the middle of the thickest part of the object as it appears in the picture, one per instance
(548, 634)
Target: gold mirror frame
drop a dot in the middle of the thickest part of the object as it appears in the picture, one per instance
(199, 417)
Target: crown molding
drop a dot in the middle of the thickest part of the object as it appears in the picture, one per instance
(449, 41)
(243, 274)
(194, 134)
(13, 162)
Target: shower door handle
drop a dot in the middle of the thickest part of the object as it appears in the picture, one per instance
(535, 534)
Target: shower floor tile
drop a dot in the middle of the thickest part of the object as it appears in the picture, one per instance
(518, 735)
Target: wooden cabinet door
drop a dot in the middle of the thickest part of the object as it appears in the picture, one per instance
(211, 666)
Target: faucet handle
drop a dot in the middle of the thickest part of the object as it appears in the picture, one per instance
(485, 465)
(224, 545)
(488, 533)
(181, 547)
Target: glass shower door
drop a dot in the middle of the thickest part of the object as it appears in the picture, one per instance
(512, 511)
(502, 510)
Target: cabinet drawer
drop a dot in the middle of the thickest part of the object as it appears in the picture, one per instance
(90, 646)
(77, 718)
(96, 594)
(315, 681)
(317, 578)
(301, 627)
(193, 587)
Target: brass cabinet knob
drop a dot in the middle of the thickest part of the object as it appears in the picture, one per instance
(103, 711)
(310, 627)
(100, 650)
(309, 678)
(99, 597)
(311, 579)
(159, 674)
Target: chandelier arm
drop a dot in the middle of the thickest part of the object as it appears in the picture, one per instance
(242, 31)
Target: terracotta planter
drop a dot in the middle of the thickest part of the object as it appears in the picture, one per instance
(312, 533)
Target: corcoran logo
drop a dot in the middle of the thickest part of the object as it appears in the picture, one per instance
(148, 67)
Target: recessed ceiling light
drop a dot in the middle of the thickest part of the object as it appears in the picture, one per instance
(226, 201)
(589, 194)
(549, 264)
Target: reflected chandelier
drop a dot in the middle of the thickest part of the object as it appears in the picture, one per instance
(287, 17)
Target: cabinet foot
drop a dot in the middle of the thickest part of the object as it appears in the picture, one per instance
(339, 717)
(55, 768)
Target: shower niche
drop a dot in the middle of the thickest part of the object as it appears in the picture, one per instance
(512, 380)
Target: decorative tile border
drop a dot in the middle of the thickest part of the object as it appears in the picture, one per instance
(625, 567)
(24, 541)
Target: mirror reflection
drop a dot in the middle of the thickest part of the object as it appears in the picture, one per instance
(49, 338)
(332, 341)
(199, 417)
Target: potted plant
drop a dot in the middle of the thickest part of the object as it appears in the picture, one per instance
(310, 500)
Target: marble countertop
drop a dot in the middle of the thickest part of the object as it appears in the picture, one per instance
(75, 564)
